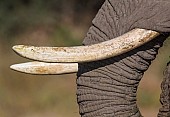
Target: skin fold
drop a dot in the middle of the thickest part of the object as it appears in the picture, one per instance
(107, 88)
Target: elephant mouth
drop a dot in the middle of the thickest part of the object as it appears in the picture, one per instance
(63, 60)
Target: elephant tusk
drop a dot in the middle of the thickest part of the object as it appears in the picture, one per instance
(45, 68)
(103, 50)
(74, 55)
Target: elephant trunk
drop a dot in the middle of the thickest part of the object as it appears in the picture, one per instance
(108, 87)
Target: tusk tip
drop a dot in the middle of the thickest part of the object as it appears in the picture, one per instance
(21, 68)
(14, 67)
(18, 67)
(18, 48)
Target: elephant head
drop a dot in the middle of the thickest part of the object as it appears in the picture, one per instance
(107, 86)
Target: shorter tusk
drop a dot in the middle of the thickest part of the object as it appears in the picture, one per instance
(107, 49)
(45, 68)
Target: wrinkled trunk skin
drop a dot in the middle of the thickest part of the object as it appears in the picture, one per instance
(165, 95)
(107, 88)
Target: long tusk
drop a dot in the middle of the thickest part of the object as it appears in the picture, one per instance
(46, 68)
(107, 49)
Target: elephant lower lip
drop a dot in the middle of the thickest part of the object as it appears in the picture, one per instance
(107, 49)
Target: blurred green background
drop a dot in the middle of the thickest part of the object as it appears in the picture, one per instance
(55, 23)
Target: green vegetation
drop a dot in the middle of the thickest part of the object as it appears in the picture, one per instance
(19, 16)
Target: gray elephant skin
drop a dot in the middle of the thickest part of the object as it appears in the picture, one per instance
(107, 88)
